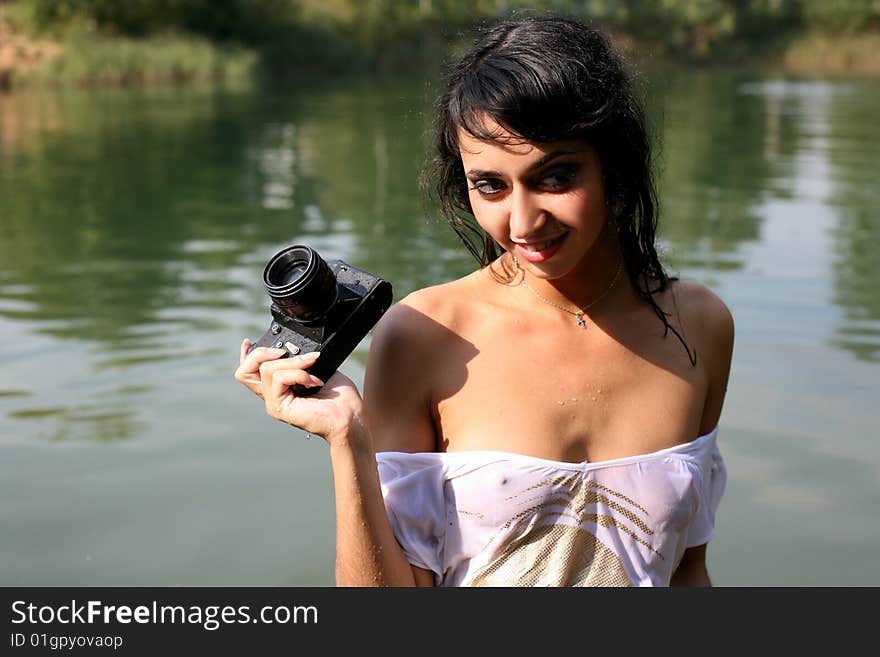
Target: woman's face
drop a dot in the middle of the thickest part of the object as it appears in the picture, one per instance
(543, 202)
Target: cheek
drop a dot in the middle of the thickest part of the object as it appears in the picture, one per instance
(586, 210)
(492, 219)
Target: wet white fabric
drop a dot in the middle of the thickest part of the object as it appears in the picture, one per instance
(490, 518)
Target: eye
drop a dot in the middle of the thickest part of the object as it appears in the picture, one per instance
(487, 186)
(558, 178)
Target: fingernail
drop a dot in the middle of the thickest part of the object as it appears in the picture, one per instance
(312, 354)
(277, 350)
(315, 380)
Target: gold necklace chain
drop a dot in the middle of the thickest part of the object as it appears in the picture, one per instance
(579, 314)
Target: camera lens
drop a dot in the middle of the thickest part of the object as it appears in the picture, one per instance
(301, 283)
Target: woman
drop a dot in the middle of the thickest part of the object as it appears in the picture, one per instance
(551, 418)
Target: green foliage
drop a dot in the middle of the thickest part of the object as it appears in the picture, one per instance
(164, 59)
(379, 35)
(245, 20)
(850, 16)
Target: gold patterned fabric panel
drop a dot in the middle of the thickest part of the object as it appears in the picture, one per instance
(555, 555)
(549, 542)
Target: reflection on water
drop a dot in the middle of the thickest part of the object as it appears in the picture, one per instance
(134, 227)
(834, 168)
(800, 155)
(275, 159)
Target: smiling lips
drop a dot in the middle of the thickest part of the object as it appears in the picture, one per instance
(539, 251)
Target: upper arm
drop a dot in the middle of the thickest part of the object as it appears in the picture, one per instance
(717, 335)
(691, 570)
(422, 577)
(397, 382)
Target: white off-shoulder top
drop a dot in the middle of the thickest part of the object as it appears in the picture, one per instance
(490, 518)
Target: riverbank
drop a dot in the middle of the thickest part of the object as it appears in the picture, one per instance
(82, 57)
(821, 53)
(87, 59)
(20, 55)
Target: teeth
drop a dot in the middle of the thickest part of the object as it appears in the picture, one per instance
(540, 247)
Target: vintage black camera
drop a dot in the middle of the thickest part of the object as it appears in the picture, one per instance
(320, 306)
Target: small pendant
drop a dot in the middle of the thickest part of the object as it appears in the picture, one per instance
(581, 321)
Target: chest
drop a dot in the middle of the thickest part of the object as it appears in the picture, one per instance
(562, 392)
(531, 523)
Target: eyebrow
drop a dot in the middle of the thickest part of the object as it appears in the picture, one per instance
(552, 155)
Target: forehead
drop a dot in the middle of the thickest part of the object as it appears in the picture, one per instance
(506, 147)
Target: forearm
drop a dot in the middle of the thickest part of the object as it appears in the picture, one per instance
(694, 575)
(367, 554)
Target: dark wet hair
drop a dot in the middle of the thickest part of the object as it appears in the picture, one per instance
(545, 79)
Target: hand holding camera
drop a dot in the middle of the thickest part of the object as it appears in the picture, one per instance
(333, 411)
(321, 311)
(320, 306)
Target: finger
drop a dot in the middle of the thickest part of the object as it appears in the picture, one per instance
(248, 372)
(271, 369)
(260, 380)
(245, 345)
(276, 388)
(300, 362)
(255, 387)
(258, 356)
(250, 380)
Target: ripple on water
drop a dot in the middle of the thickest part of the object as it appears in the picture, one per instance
(112, 422)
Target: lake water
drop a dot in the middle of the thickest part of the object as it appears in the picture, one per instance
(134, 227)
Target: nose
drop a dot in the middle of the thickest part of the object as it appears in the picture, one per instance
(527, 216)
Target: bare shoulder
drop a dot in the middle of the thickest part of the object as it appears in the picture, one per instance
(702, 308)
(446, 303)
(409, 352)
(708, 319)
(416, 321)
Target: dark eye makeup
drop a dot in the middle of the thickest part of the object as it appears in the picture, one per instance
(559, 176)
(555, 178)
(487, 186)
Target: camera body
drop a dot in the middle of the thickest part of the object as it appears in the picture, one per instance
(318, 305)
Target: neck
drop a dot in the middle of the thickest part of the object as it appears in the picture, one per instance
(600, 274)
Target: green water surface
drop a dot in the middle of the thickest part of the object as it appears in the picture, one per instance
(134, 226)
